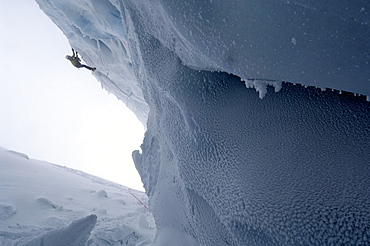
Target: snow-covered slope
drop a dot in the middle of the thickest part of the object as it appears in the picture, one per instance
(220, 165)
(47, 204)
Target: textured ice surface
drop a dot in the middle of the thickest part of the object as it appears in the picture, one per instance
(289, 169)
(220, 165)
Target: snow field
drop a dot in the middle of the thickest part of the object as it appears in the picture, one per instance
(41, 201)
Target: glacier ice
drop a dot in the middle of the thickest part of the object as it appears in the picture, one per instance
(252, 40)
(220, 165)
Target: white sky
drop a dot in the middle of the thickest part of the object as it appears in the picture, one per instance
(55, 112)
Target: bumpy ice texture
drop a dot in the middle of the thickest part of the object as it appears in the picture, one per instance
(220, 165)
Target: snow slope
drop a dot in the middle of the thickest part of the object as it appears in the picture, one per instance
(47, 204)
(220, 165)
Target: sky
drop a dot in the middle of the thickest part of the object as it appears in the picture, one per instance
(55, 112)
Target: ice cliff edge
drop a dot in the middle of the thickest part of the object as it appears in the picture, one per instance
(313, 43)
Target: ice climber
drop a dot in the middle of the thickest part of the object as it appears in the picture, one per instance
(76, 61)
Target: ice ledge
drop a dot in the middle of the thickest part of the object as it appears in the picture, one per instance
(293, 44)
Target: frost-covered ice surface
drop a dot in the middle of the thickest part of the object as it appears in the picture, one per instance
(220, 165)
(316, 43)
(50, 205)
